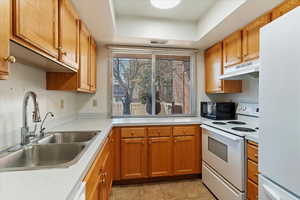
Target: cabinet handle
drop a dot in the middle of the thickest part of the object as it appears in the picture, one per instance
(10, 59)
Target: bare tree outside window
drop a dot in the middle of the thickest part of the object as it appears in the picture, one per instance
(132, 85)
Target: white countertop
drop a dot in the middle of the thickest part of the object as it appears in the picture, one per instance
(61, 183)
(253, 137)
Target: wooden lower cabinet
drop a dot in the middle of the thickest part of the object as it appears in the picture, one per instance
(160, 156)
(99, 177)
(252, 190)
(184, 155)
(252, 172)
(133, 158)
(157, 151)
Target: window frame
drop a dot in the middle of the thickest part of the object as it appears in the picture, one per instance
(156, 52)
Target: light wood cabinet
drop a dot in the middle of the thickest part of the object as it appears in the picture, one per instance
(36, 23)
(160, 156)
(4, 38)
(84, 67)
(285, 7)
(133, 158)
(232, 49)
(99, 177)
(93, 66)
(251, 37)
(214, 69)
(252, 171)
(184, 155)
(69, 34)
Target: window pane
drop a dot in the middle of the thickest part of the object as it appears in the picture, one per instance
(172, 85)
(132, 75)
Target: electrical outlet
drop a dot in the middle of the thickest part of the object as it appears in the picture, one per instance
(95, 103)
(62, 104)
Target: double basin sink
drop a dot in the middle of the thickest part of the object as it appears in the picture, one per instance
(55, 150)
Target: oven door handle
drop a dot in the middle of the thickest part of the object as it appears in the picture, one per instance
(222, 133)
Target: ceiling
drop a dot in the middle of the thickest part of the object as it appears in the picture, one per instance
(193, 24)
(187, 10)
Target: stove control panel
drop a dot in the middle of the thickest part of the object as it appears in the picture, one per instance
(248, 109)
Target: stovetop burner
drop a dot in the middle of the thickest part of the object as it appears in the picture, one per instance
(219, 123)
(243, 129)
(237, 122)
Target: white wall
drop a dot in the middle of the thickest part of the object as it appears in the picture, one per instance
(22, 79)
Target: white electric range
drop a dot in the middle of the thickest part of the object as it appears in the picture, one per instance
(223, 156)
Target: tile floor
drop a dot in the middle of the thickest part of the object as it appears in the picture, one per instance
(192, 189)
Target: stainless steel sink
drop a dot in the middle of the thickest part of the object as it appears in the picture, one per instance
(67, 137)
(42, 156)
(55, 150)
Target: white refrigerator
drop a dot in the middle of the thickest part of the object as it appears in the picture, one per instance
(279, 99)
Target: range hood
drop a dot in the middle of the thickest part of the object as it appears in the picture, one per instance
(242, 71)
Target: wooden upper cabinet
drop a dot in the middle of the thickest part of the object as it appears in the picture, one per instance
(4, 37)
(160, 156)
(213, 70)
(69, 34)
(184, 155)
(251, 37)
(133, 158)
(93, 66)
(285, 7)
(84, 68)
(36, 22)
(232, 49)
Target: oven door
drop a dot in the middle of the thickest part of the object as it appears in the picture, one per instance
(224, 152)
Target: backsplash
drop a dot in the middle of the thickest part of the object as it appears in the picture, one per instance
(25, 78)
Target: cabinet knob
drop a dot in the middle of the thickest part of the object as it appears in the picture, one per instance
(10, 59)
(256, 155)
(63, 53)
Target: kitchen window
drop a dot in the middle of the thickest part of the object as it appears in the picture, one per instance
(142, 76)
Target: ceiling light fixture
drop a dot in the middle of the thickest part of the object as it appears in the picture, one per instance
(165, 4)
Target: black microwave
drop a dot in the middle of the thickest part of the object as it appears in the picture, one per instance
(218, 110)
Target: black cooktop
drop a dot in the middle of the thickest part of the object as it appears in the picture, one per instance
(243, 129)
(237, 122)
(219, 123)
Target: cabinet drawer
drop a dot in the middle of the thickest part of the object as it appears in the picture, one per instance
(253, 171)
(133, 132)
(184, 130)
(159, 131)
(252, 193)
(252, 152)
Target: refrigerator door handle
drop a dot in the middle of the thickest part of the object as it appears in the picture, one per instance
(270, 193)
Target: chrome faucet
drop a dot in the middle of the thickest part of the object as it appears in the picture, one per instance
(25, 133)
(42, 128)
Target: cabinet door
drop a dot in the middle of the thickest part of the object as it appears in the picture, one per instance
(133, 158)
(213, 69)
(84, 68)
(251, 37)
(36, 22)
(93, 66)
(69, 34)
(160, 156)
(184, 155)
(232, 49)
(285, 7)
(4, 37)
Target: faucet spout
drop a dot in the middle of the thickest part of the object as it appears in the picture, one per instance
(35, 115)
